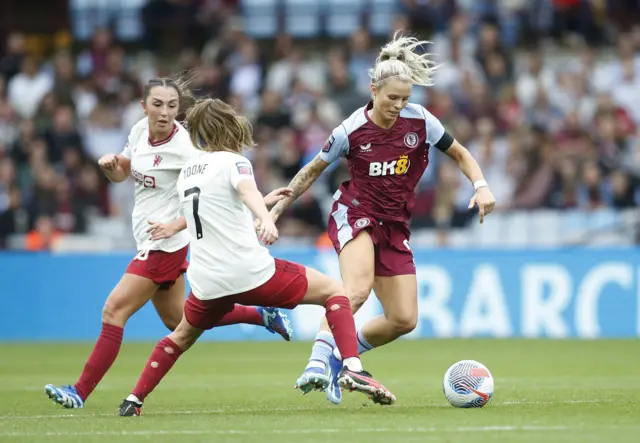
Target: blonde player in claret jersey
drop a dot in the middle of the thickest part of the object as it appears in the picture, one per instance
(157, 149)
(229, 265)
(386, 144)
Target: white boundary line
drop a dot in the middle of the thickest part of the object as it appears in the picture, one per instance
(525, 428)
(318, 408)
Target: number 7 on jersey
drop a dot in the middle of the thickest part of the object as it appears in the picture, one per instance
(195, 191)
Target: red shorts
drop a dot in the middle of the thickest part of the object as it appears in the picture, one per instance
(285, 289)
(393, 255)
(164, 268)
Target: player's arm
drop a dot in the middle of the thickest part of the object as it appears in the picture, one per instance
(299, 184)
(253, 199)
(241, 178)
(160, 231)
(441, 139)
(336, 146)
(471, 169)
(465, 161)
(116, 167)
(276, 195)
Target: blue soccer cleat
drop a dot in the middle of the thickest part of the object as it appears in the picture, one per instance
(65, 395)
(312, 379)
(334, 392)
(276, 322)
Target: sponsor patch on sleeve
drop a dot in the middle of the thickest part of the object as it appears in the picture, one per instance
(244, 168)
(328, 144)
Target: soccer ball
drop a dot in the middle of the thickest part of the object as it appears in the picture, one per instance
(468, 384)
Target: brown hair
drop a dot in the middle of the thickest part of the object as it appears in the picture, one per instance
(181, 84)
(214, 126)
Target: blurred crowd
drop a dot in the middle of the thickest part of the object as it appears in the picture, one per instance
(544, 93)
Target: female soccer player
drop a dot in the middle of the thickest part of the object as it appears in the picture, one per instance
(228, 264)
(157, 148)
(386, 144)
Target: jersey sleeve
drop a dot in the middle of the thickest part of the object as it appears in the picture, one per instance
(436, 134)
(126, 152)
(337, 145)
(239, 169)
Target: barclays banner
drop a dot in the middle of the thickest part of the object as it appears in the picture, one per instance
(568, 293)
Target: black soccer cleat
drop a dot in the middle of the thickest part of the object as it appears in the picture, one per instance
(363, 382)
(130, 408)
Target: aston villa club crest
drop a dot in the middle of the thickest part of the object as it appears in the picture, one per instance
(157, 160)
(411, 140)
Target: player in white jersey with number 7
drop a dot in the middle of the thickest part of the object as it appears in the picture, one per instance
(229, 266)
(157, 149)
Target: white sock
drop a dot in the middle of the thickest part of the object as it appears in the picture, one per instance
(321, 350)
(353, 364)
(363, 344)
(133, 398)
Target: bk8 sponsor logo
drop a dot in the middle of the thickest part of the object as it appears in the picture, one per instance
(395, 167)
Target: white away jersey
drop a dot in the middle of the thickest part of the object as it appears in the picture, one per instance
(155, 167)
(226, 256)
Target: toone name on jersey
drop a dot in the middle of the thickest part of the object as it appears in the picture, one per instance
(193, 170)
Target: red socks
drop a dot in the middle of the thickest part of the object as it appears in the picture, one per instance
(242, 314)
(102, 357)
(343, 327)
(162, 358)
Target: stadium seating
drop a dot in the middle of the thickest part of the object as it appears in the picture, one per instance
(260, 17)
(343, 17)
(302, 18)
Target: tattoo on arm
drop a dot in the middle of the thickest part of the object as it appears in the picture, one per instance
(300, 183)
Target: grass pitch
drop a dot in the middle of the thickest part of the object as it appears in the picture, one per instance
(551, 391)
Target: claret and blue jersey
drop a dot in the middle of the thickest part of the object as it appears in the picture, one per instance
(385, 165)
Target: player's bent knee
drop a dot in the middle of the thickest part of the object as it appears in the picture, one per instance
(114, 314)
(404, 325)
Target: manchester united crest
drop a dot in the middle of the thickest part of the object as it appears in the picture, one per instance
(411, 140)
(157, 160)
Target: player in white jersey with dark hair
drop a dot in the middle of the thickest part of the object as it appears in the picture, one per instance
(157, 149)
(229, 266)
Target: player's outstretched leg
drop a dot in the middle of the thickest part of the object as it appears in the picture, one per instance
(162, 359)
(274, 320)
(325, 291)
(169, 304)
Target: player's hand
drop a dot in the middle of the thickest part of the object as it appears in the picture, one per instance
(267, 232)
(276, 195)
(485, 201)
(108, 162)
(160, 231)
(257, 222)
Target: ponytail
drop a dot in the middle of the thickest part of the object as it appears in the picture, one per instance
(399, 59)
